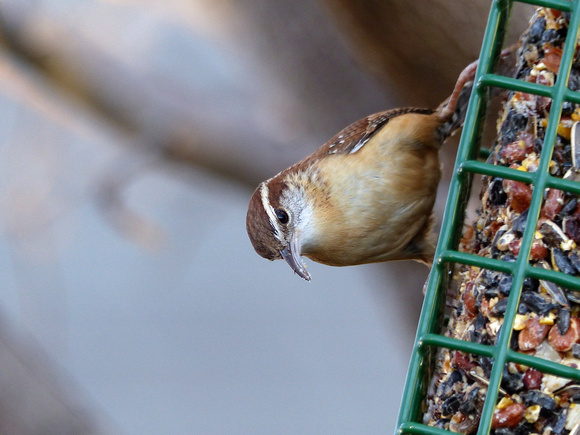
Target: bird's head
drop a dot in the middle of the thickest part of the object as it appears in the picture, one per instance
(277, 222)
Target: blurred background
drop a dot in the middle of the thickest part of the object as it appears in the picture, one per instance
(132, 134)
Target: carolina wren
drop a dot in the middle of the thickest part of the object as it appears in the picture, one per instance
(365, 196)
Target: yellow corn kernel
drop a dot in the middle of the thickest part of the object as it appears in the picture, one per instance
(520, 321)
(564, 131)
(532, 413)
(568, 245)
(504, 403)
(546, 321)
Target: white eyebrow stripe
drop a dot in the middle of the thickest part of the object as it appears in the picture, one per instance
(264, 193)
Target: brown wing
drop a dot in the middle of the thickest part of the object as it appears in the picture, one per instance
(353, 137)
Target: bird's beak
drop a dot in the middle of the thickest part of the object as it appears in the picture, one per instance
(291, 255)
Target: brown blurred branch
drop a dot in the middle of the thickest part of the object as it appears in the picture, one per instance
(428, 40)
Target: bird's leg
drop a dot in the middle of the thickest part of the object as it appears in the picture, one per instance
(446, 110)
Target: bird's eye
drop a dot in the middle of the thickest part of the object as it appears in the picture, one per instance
(282, 216)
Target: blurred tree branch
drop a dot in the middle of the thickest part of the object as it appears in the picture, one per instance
(411, 47)
(419, 46)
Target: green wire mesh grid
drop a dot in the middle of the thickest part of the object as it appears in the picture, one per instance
(466, 166)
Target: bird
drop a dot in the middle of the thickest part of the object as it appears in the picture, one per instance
(365, 196)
